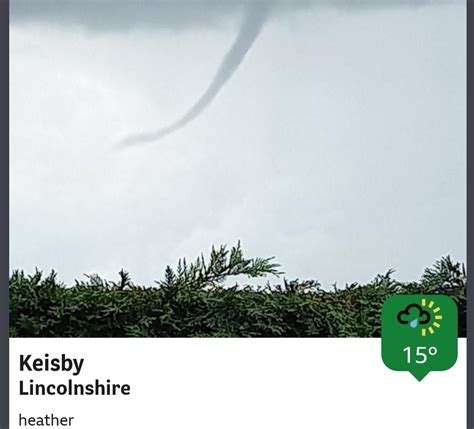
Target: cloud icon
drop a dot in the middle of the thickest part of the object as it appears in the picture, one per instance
(413, 315)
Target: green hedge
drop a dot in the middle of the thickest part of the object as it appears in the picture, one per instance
(193, 302)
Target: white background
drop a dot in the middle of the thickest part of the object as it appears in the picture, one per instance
(243, 383)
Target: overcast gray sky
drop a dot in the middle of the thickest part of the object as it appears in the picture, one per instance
(338, 146)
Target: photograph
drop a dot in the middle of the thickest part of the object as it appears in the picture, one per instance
(230, 169)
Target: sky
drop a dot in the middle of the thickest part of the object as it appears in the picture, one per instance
(338, 145)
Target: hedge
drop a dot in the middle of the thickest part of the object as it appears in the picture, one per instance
(192, 301)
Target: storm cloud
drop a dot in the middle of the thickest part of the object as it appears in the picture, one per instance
(122, 15)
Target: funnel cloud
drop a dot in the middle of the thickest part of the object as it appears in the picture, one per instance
(252, 25)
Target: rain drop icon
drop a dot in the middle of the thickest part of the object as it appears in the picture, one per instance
(414, 323)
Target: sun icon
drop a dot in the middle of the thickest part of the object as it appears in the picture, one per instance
(437, 317)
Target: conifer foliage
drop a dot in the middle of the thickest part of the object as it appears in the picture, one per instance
(196, 300)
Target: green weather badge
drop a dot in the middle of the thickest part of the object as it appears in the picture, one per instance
(419, 333)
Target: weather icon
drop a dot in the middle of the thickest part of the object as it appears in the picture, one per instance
(425, 317)
(419, 333)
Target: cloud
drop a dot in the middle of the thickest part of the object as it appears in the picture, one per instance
(120, 15)
(406, 316)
